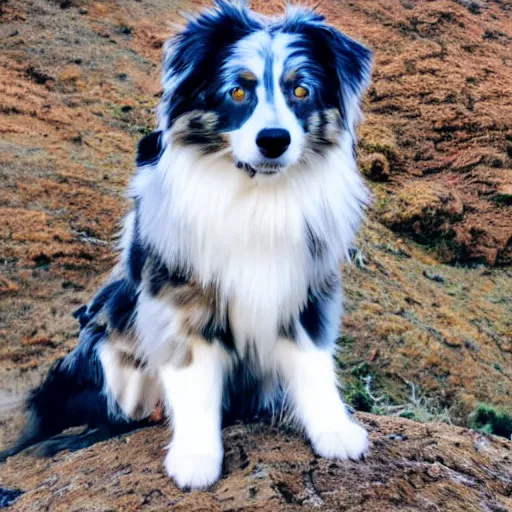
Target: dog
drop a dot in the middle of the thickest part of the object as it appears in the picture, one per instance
(226, 300)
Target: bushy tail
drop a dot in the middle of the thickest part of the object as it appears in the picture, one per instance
(70, 396)
(39, 424)
(73, 392)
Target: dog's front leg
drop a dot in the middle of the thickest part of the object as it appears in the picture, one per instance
(310, 382)
(194, 398)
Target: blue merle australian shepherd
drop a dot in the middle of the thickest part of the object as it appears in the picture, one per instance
(226, 301)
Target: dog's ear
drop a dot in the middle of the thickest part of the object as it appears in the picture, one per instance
(191, 57)
(353, 66)
(347, 63)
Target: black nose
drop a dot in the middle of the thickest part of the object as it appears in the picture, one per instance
(273, 142)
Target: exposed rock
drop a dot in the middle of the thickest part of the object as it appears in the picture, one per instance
(410, 467)
(442, 91)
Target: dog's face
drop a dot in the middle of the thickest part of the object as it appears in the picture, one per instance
(270, 93)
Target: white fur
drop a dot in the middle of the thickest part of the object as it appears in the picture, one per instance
(247, 236)
(194, 396)
(309, 379)
(136, 391)
(158, 328)
(253, 53)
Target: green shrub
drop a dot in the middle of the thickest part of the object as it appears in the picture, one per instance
(491, 420)
(357, 396)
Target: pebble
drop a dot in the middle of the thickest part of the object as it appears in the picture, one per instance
(397, 437)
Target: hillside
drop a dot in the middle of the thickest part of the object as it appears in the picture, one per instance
(428, 329)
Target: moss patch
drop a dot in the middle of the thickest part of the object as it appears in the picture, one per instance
(491, 420)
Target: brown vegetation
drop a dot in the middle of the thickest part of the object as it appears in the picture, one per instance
(78, 88)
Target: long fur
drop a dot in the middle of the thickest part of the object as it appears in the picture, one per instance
(227, 298)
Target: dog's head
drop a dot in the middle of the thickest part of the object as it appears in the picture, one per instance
(271, 93)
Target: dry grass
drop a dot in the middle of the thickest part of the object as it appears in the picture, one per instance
(79, 90)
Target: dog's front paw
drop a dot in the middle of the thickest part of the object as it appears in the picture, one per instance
(193, 470)
(350, 441)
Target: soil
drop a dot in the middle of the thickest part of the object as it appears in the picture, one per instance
(428, 305)
(411, 467)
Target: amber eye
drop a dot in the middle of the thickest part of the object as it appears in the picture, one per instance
(300, 92)
(238, 94)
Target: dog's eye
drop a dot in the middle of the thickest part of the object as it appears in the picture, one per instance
(238, 94)
(300, 92)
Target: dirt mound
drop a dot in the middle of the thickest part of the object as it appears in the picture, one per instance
(410, 467)
(442, 88)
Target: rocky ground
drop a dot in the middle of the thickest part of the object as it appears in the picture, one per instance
(412, 467)
(428, 329)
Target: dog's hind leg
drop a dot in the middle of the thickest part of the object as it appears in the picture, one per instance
(61, 402)
(74, 394)
(52, 446)
(128, 381)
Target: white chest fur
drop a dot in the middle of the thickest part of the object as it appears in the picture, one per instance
(249, 236)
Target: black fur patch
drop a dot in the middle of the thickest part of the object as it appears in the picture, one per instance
(161, 276)
(85, 314)
(149, 149)
(316, 246)
(288, 331)
(87, 438)
(243, 397)
(314, 317)
(101, 298)
(311, 317)
(137, 257)
(118, 299)
(82, 362)
(81, 315)
(122, 303)
(220, 331)
(137, 252)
